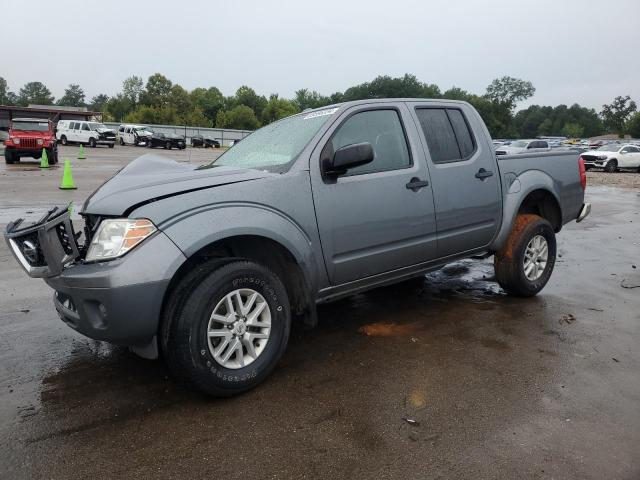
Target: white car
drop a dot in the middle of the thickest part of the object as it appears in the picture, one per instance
(524, 146)
(134, 135)
(88, 133)
(612, 157)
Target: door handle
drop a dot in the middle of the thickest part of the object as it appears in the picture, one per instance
(482, 174)
(416, 184)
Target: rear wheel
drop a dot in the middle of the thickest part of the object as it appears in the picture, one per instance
(524, 264)
(63, 139)
(226, 327)
(167, 145)
(611, 166)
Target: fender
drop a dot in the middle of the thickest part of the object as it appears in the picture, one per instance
(194, 229)
(519, 188)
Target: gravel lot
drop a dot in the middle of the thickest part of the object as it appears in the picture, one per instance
(618, 179)
(496, 387)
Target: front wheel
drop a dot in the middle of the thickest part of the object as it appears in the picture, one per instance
(611, 166)
(524, 264)
(167, 145)
(9, 157)
(53, 157)
(121, 141)
(226, 326)
(92, 142)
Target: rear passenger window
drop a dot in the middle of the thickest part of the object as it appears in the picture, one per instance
(383, 130)
(448, 136)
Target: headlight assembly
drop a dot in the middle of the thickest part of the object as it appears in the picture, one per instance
(40, 141)
(115, 237)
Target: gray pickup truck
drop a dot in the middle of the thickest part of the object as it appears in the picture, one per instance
(208, 266)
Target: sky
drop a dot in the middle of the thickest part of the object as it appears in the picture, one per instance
(572, 51)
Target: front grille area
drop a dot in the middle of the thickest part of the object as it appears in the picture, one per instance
(28, 143)
(65, 241)
(589, 158)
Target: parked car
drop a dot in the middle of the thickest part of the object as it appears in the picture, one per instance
(524, 146)
(88, 133)
(136, 135)
(28, 137)
(613, 157)
(206, 142)
(166, 140)
(210, 264)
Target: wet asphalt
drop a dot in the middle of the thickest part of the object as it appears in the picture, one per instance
(439, 377)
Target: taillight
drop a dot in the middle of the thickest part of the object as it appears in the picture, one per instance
(583, 173)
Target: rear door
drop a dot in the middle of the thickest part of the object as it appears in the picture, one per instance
(630, 157)
(370, 220)
(464, 174)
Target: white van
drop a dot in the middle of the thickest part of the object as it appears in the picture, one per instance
(134, 135)
(88, 133)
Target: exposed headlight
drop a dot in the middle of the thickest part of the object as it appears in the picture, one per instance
(602, 157)
(39, 141)
(115, 237)
(16, 141)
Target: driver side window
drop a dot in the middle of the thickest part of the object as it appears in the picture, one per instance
(383, 130)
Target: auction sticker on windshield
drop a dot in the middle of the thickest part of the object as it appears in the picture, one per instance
(321, 113)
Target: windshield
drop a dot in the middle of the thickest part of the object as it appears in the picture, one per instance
(96, 126)
(276, 144)
(609, 148)
(519, 144)
(31, 126)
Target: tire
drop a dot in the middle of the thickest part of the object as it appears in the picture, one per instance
(509, 262)
(111, 145)
(63, 140)
(121, 141)
(9, 157)
(611, 166)
(167, 145)
(53, 157)
(92, 142)
(185, 341)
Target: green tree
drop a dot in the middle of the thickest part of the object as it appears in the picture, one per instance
(132, 89)
(407, 86)
(98, 102)
(240, 117)
(247, 96)
(209, 100)
(278, 108)
(118, 107)
(633, 125)
(179, 98)
(6, 97)
(157, 91)
(196, 118)
(306, 99)
(73, 96)
(616, 114)
(508, 91)
(572, 130)
(35, 93)
(546, 127)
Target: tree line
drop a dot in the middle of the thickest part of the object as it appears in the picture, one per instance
(160, 101)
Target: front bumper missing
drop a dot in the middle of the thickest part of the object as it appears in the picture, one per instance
(584, 212)
(45, 247)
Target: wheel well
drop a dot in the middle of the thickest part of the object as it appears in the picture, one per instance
(543, 203)
(265, 251)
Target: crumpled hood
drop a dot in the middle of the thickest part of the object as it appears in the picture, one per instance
(151, 177)
(105, 130)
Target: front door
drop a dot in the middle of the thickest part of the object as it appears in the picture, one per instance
(370, 219)
(466, 183)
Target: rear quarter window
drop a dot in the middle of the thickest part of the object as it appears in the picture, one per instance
(448, 136)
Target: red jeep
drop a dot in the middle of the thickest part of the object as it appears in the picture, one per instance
(27, 138)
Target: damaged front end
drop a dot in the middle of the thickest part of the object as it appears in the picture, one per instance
(44, 248)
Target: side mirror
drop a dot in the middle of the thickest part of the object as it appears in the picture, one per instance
(347, 157)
